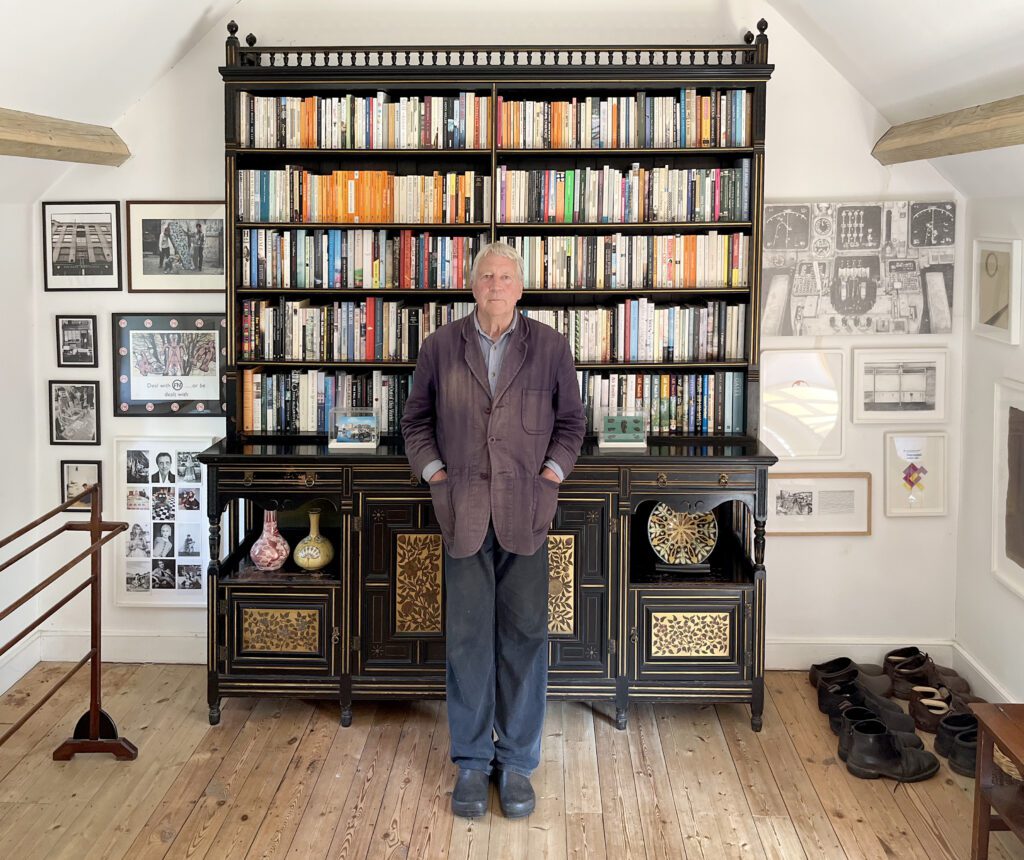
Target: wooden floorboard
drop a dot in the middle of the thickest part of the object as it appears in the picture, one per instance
(280, 778)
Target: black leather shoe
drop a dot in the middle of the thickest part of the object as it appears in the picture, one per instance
(516, 793)
(853, 715)
(469, 797)
(963, 757)
(874, 752)
(949, 727)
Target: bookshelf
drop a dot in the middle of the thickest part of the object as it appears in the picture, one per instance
(359, 184)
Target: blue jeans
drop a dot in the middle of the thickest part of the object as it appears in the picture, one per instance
(496, 632)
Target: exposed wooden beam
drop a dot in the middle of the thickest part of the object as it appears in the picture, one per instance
(987, 126)
(33, 136)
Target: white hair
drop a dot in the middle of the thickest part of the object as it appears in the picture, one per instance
(496, 249)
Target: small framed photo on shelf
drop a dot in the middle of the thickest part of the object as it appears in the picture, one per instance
(354, 428)
(915, 474)
(75, 476)
(81, 246)
(76, 341)
(168, 364)
(74, 413)
(175, 246)
(1008, 485)
(995, 302)
(819, 503)
(899, 385)
(802, 403)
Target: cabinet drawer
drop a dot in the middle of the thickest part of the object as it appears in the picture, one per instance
(267, 478)
(719, 478)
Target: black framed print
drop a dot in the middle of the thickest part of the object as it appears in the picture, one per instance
(169, 364)
(74, 412)
(81, 246)
(75, 476)
(76, 341)
(175, 246)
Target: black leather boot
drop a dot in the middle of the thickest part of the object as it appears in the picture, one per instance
(875, 752)
(853, 715)
(516, 793)
(963, 758)
(469, 797)
(949, 727)
(835, 698)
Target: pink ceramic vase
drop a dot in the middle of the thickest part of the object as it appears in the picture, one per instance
(271, 549)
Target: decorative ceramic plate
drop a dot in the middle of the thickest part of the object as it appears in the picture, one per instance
(680, 538)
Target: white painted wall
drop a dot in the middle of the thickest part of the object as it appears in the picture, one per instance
(989, 615)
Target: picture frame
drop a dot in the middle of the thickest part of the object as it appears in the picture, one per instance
(75, 476)
(81, 245)
(819, 503)
(802, 403)
(76, 341)
(169, 364)
(1008, 485)
(892, 386)
(161, 485)
(915, 473)
(995, 297)
(74, 412)
(176, 246)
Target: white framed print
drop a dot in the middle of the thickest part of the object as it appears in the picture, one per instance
(160, 490)
(995, 299)
(819, 503)
(802, 403)
(1008, 485)
(899, 385)
(915, 474)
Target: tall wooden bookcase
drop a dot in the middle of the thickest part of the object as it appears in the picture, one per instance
(371, 624)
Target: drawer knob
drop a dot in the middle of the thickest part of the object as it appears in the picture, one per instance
(335, 636)
(309, 478)
(723, 480)
(633, 635)
(662, 479)
(247, 479)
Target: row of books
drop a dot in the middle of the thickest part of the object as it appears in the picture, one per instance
(638, 330)
(621, 261)
(691, 404)
(608, 195)
(459, 121)
(694, 118)
(296, 195)
(356, 259)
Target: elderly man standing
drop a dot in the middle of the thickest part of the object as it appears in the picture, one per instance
(494, 422)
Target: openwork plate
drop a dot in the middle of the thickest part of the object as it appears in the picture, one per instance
(680, 538)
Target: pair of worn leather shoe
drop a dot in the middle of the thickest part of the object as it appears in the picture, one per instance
(875, 751)
(910, 666)
(841, 669)
(469, 797)
(855, 714)
(957, 739)
(833, 699)
(930, 705)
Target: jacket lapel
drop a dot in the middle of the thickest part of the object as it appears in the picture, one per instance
(471, 353)
(515, 356)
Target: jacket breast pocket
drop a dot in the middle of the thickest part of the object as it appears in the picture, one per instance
(538, 412)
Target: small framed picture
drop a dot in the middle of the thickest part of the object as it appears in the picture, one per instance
(915, 474)
(995, 305)
(1008, 485)
(175, 246)
(819, 503)
(802, 403)
(76, 342)
(74, 413)
(75, 476)
(81, 246)
(899, 385)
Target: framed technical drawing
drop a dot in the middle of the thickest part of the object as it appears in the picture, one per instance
(802, 403)
(995, 300)
(175, 246)
(819, 503)
(899, 385)
(1008, 485)
(915, 474)
(160, 487)
(82, 246)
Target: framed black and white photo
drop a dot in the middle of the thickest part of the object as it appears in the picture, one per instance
(169, 364)
(163, 559)
(175, 246)
(995, 305)
(899, 385)
(915, 474)
(819, 503)
(802, 403)
(75, 476)
(76, 341)
(74, 413)
(81, 246)
(1008, 485)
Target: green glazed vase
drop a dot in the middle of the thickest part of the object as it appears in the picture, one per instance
(314, 551)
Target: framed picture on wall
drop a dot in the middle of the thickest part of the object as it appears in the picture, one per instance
(899, 385)
(802, 403)
(168, 364)
(74, 413)
(175, 246)
(995, 305)
(160, 487)
(819, 503)
(76, 341)
(82, 246)
(75, 476)
(915, 474)
(1008, 484)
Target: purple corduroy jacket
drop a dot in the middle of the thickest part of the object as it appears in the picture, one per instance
(494, 449)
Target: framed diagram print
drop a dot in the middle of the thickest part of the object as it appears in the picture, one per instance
(915, 474)
(899, 385)
(819, 503)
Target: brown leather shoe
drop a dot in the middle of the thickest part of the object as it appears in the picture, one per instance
(922, 671)
(928, 706)
(893, 658)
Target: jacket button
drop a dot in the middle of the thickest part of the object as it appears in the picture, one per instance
(487, 410)
(484, 476)
(491, 439)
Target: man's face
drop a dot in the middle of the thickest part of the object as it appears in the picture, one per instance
(497, 288)
(163, 463)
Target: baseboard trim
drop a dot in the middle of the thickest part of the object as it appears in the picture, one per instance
(982, 682)
(127, 646)
(19, 660)
(799, 653)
